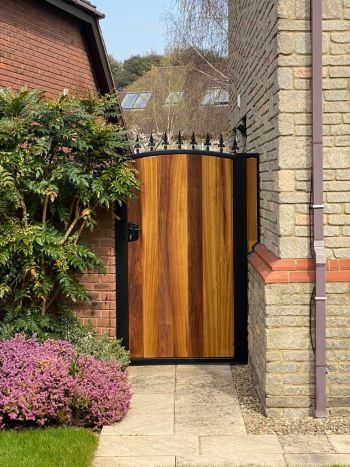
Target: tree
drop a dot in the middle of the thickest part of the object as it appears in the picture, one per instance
(124, 73)
(60, 162)
(201, 27)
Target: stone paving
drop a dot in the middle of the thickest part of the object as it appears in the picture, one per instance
(189, 415)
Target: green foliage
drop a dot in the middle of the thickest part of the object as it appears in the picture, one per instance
(64, 325)
(60, 162)
(30, 323)
(86, 341)
(125, 73)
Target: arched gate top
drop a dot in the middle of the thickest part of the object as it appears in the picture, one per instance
(190, 152)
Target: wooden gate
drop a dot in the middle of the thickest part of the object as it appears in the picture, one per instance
(181, 247)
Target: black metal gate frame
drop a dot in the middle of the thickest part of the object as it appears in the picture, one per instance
(240, 260)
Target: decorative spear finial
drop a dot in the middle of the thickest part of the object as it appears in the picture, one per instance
(165, 141)
(179, 140)
(221, 143)
(207, 142)
(137, 145)
(151, 143)
(234, 147)
(193, 142)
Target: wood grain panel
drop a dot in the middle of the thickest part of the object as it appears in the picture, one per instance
(195, 256)
(181, 269)
(224, 233)
(252, 203)
(166, 315)
(150, 258)
(178, 247)
(210, 253)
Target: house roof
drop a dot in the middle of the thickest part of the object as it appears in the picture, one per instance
(87, 6)
(177, 94)
(88, 16)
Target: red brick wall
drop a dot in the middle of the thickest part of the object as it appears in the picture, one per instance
(42, 48)
(102, 288)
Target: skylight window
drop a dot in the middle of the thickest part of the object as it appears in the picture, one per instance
(134, 100)
(174, 97)
(129, 100)
(142, 100)
(216, 96)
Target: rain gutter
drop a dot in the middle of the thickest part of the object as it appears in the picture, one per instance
(318, 210)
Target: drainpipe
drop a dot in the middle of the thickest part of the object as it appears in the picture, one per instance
(318, 209)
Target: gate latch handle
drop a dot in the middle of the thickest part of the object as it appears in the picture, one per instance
(133, 232)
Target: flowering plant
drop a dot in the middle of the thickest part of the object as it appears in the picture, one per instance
(46, 383)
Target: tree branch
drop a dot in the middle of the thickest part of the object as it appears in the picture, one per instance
(80, 231)
(72, 226)
(193, 47)
(53, 298)
(46, 204)
(24, 210)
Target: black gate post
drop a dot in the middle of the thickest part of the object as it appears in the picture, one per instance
(122, 298)
(240, 258)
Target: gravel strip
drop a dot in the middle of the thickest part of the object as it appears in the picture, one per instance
(257, 424)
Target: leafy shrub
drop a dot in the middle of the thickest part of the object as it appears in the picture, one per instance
(45, 383)
(60, 162)
(85, 340)
(65, 326)
(29, 323)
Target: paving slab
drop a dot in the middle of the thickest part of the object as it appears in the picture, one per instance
(151, 403)
(136, 423)
(152, 370)
(208, 398)
(300, 444)
(227, 446)
(341, 443)
(147, 445)
(154, 384)
(239, 459)
(190, 416)
(206, 401)
(191, 371)
(317, 459)
(145, 461)
(203, 428)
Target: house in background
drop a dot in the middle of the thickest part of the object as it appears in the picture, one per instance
(177, 98)
(57, 46)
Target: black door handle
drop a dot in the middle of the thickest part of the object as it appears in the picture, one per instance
(133, 232)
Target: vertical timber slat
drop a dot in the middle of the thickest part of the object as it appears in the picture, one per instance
(150, 260)
(224, 236)
(195, 256)
(210, 253)
(178, 247)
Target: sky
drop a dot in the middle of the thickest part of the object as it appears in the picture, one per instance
(133, 27)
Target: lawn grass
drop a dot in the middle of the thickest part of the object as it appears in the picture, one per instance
(50, 447)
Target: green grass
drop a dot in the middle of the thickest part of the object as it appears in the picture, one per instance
(50, 447)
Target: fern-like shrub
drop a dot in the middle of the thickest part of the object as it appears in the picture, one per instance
(60, 162)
